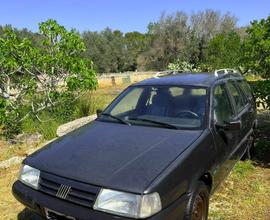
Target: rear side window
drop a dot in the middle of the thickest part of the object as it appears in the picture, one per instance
(198, 92)
(237, 96)
(222, 106)
(244, 86)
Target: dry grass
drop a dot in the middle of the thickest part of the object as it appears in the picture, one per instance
(10, 150)
(100, 98)
(9, 207)
(244, 195)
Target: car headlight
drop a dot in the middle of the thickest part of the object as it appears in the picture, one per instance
(128, 204)
(29, 176)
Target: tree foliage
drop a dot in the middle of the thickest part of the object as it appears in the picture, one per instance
(256, 56)
(224, 51)
(168, 42)
(179, 37)
(183, 66)
(261, 90)
(113, 51)
(32, 77)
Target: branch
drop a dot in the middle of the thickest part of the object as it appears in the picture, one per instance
(15, 71)
(25, 116)
(45, 106)
(42, 121)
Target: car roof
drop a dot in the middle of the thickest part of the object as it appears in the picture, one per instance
(191, 79)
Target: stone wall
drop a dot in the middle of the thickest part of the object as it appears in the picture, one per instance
(106, 80)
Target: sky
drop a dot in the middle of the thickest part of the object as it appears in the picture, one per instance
(125, 15)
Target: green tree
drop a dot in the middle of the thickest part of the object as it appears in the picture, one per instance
(205, 25)
(35, 78)
(256, 56)
(224, 51)
(98, 50)
(107, 49)
(136, 43)
(113, 51)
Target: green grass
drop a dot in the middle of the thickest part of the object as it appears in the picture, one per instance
(257, 186)
(242, 169)
(47, 128)
(217, 215)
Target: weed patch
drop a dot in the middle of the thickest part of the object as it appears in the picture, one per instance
(242, 169)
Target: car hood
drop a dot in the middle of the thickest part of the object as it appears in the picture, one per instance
(113, 155)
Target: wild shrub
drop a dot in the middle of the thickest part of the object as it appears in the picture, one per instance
(261, 90)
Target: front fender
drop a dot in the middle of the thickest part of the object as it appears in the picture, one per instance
(180, 177)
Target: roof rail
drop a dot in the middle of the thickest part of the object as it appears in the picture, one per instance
(225, 71)
(167, 73)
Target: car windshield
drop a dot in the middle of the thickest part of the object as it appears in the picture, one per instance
(176, 107)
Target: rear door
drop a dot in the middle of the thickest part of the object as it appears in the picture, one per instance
(246, 90)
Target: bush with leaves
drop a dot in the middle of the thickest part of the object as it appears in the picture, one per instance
(183, 66)
(261, 90)
(224, 51)
(34, 78)
(256, 47)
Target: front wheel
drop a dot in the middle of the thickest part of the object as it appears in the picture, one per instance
(198, 204)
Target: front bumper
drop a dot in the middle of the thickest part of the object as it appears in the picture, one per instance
(37, 201)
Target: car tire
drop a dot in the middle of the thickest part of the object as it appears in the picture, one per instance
(250, 148)
(198, 203)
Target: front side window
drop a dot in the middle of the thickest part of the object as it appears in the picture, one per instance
(222, 107)
(179, 106)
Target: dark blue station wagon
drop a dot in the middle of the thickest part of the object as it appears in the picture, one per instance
(157, 152)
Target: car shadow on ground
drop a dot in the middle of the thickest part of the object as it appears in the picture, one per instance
(26, 214)
(261, 153)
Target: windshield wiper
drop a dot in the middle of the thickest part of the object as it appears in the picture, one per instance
(117, 118)
(164, 124)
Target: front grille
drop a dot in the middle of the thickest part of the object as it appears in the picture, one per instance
(69, 190)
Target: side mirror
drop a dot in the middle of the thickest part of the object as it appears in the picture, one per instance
(230, 125)
(99, 111)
